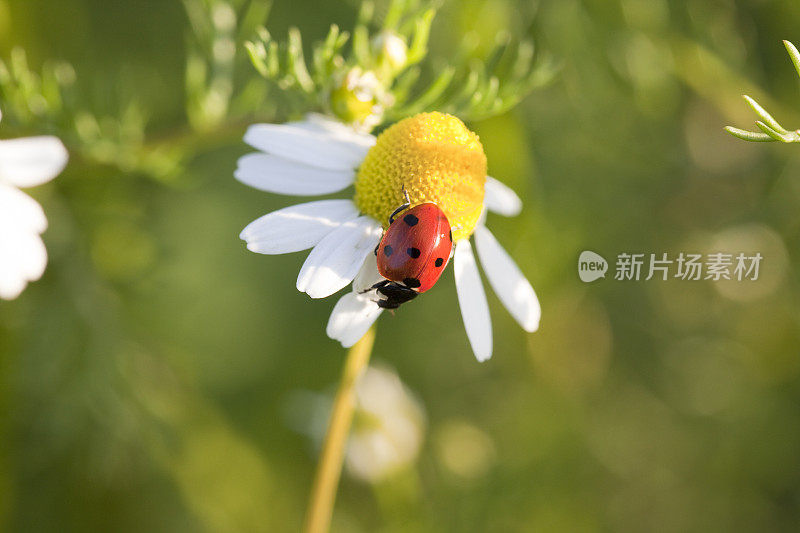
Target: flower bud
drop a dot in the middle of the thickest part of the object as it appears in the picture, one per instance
(359, 99)
(391, 50)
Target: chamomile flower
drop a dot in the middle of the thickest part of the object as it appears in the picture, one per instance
(25, 162)
(388, 428)
(432, 157)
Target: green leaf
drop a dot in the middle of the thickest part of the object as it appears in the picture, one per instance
(794, 54)
(361, 48)
(770, 128)
(258, 55)
(255, 15)
(297, 61)
(748, 135)
(419, 44)
(402, 87)
(766, 117)
(434, 91)
(394, 14)
(771, 132)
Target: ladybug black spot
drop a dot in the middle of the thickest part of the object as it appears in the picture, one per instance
(412, 283)
(438, 262)
(411, 220)
(387, 250)
(451, 235)
(413, 252)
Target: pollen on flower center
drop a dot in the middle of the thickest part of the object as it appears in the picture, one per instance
(437, 159)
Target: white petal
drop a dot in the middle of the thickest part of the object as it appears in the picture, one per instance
(323, 124)
(20, 212)
(472, 301)
(368, 275)
(298, 227)
(283, 176)
(31, 161)
(11, 285)
(351, 317)
(315, 148)
(334, 262)
(508, 281)
(501, 199)
(22, 258)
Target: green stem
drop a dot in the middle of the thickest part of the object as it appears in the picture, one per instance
(329, 469)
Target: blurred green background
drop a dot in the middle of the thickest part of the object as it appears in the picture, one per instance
(144, 380)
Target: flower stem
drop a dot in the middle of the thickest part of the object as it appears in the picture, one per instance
(326, 481)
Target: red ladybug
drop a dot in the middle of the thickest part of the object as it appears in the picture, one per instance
(413, 253)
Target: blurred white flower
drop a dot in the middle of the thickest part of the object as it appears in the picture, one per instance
(319, 156)
(388, 428)
(25, 162)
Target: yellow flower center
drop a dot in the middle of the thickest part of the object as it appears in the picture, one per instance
(437, 159)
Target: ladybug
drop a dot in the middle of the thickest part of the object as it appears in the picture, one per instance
(413, 253)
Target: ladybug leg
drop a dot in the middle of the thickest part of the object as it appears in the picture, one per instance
(377, 286)
(402, 208)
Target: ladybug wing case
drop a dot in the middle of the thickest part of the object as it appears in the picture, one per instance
(416, 248)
